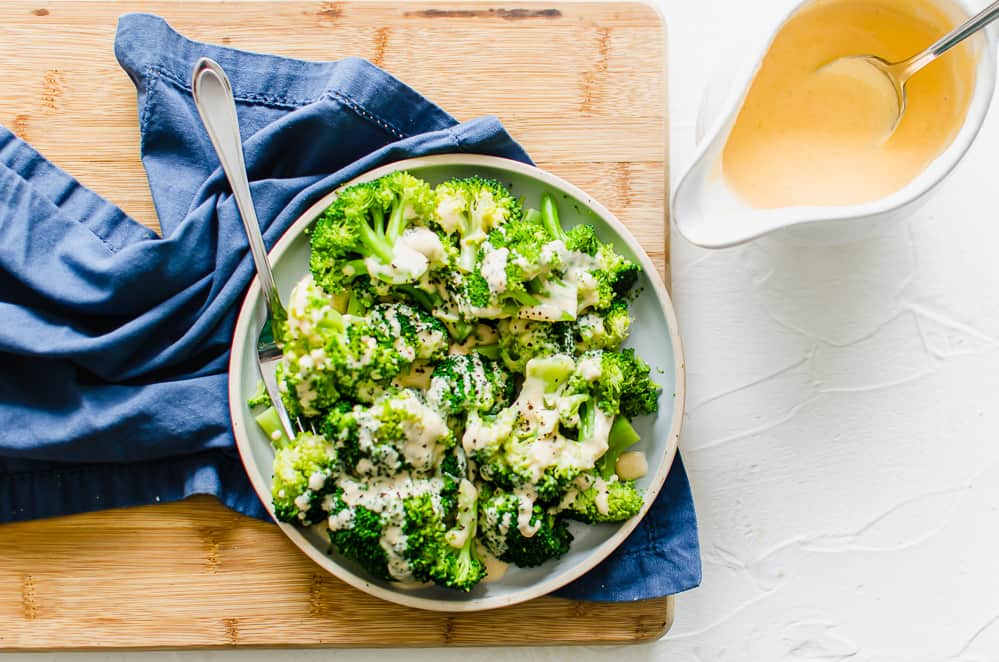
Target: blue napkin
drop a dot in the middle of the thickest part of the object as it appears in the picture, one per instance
(114, 341)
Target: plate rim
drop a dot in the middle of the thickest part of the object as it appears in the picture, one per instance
(261, 484)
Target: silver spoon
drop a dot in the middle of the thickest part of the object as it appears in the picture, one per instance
(213, 98)
(899, 73)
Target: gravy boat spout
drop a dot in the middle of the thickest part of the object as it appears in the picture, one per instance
(710, 213)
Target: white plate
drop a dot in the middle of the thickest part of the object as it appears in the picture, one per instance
(654, 336)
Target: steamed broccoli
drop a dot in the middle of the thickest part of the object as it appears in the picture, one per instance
(506, 534)
(360, 233)
(328, 356)
(437, 312)
(604, 330)
(437, 553)
(466, 382)
(522, 445)
(522, 340)
(639, 394)
(602, 274)
(471, 207)
(302, 476)
(409, 529)
(399, 431)
(356, 532)
(605, 501)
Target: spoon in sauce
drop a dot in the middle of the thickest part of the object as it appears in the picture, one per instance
(889, 78)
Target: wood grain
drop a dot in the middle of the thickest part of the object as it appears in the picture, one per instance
(194, 574)
(580, 85)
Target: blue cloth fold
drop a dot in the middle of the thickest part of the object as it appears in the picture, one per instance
(114, 341)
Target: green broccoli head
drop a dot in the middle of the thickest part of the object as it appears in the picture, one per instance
(440, 543)
(313, 340)
(398, 432)
(595, 383)
(356, 532)
(466, 382)
(604, 330)
(614, 382)
(328, 356)
(605, 501)
(522, 340)
(531, 251)
(361, 231)
(411, 332)
(470, 208)
(517, 531)
(303, 472)
(617, 271)
(639, 394)
(582, 238)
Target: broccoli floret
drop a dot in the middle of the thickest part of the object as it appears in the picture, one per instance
(615, 382)
(522, 340)
(639, 394)
(616, 270)
(466, 382)
(611, 276)
(302, 478)
(445, 556)
(531, 253)
(622, 436)
(356, 532)
(606, 330)
(605, 501)
(595, 384)
(363, 294)
(410, 331)
(544, 537)
(506, 446)
(360, 232)
(328, 356)
(471, 207)
(582, 238)
(341, 427)
(399, 431)
(260, 398)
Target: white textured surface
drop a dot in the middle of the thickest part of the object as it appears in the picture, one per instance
(841, 433)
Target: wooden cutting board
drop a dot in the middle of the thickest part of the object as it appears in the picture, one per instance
(581, 85)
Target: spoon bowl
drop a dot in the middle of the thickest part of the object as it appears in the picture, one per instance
(899, 73)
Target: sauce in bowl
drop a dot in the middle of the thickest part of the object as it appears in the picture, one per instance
(816, 130)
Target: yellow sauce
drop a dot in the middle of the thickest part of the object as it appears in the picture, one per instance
(816, 131)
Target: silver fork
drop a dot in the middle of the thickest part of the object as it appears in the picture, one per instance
(213, 98)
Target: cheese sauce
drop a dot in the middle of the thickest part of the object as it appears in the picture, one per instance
(816, 131)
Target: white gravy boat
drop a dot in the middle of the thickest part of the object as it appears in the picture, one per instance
(708, 213)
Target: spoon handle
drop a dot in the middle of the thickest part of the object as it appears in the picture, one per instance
(213, 98)
(950, 40)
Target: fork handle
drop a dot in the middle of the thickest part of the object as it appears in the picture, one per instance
(213, 98)
(950, 40)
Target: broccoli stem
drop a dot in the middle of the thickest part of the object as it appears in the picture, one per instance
(549, 217)
(587, 419)
(466, 260)
(379, 215)
(622, 435)
(426, 300)
(377, 245)
(355, 307)
(397, 221)
(488, 351)
(524, 299)
(270, 423)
